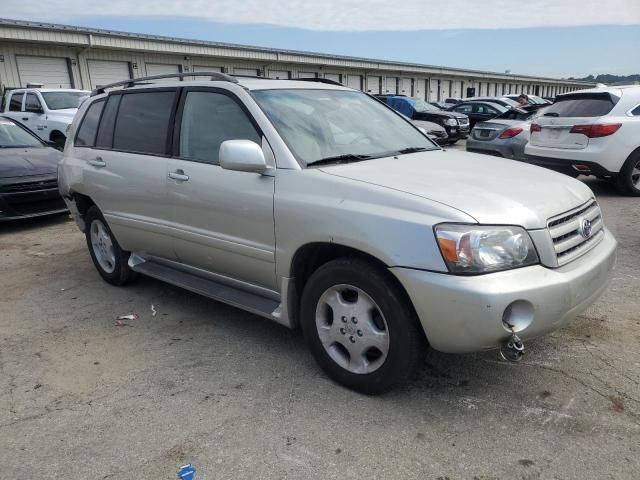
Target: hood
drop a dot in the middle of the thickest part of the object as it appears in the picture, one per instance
(22, 162)
(490, 189)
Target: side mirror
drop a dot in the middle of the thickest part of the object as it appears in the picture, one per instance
(242, 156)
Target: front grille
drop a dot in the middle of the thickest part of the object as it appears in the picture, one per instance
(30, 186)
(571, 234)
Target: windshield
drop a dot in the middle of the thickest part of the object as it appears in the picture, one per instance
(12, 136)
(61, 100)
(325, 124)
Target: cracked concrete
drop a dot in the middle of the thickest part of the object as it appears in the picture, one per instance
(241, 397)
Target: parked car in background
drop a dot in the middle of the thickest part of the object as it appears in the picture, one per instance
(316, 206)
(533, 99)
(504, 101)
(591, 132)
(28, 174)
(455, 124)
(435, 132)
(46, 112)
(504, 136)
(479, 110)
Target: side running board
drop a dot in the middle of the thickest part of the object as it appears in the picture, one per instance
(223, 293)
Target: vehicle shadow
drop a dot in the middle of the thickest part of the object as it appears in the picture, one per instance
(28, 224)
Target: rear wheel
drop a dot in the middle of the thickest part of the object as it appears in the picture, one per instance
(628, 179)
(109, 259)
(360, 327)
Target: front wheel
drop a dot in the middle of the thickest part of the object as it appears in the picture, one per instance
(360, 327)
(109, 259)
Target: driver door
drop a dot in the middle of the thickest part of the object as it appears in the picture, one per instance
(222, 220)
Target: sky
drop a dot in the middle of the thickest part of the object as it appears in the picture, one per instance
(557, 38)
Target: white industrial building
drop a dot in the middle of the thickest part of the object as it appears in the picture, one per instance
(60, 56)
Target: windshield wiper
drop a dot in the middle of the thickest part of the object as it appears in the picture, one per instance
(412, 150)
(346, 158)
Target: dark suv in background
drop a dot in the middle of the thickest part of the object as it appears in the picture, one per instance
(456, 124)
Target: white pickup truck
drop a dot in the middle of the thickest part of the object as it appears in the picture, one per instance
(47, 112)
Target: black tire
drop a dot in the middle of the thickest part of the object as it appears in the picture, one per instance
(624, 181)
(121, 274)
(453, 142)
(406, 344)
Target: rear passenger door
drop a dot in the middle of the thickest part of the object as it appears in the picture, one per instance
(222, 220)
(126, 162)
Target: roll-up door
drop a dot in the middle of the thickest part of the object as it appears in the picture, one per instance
(205, 68)
(248, 72)
(163, 69)
(279, 74)
(52, 72)
(307, 75)
(391, 85)
(333, 76)
(405, 87)
(373, 85)
(354, 81)
(103, 72)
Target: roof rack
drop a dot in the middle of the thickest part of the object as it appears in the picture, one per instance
(213, 76)
(319, 80)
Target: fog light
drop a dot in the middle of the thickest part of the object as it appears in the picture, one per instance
(517, 316)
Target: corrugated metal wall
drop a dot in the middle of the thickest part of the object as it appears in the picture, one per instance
(138, 53)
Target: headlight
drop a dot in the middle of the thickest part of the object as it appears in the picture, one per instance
(452, 122)
(477, 249)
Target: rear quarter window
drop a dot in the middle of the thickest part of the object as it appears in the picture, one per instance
(581, 106)
(86, 136)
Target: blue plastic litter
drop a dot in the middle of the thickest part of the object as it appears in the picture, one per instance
(187, 472)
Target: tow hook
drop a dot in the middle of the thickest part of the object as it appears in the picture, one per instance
(513, 349)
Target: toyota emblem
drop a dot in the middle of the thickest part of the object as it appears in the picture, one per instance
(585, 228)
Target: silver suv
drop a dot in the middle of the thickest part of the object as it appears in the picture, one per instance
(319, 207)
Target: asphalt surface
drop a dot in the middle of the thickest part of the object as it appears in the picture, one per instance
(240, 397)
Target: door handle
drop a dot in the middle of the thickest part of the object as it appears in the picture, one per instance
(179, 175)
(98, 162)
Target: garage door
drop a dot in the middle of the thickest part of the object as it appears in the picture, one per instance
(306, 75)
(354, 81)
(247, 72)
(103, 72)
(391, 85)
(205, 68)
(373, 85)
(332, 76)
(53, 72)
(405, 87)
(163, 69)
(279, 74)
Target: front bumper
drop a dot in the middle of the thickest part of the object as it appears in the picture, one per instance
(28, 197)
(464, 313)
(457, 132)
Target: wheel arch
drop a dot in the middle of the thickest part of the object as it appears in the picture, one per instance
(311, 256)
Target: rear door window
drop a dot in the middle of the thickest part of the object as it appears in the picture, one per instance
(15, 105)
(87, 132)
(595, 105)
(142, 124)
